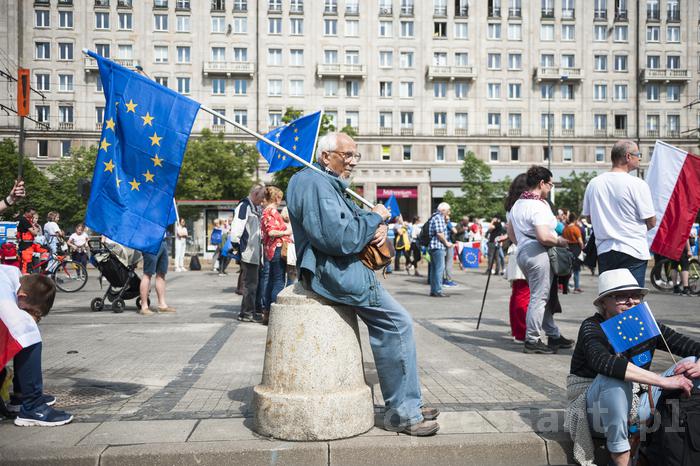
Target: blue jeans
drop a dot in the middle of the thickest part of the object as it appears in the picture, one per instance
(608, 402)
(619, 260)
(437, 269)
(394, 348)
(274, 279)
(28, 384)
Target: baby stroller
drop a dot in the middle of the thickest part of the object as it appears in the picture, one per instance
(116, 263)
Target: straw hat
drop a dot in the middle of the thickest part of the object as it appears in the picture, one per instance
(612, 281)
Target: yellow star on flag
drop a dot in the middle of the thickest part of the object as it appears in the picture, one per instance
(296, 138)
(104, 144)
(157, 162)
(147, 119)
(155, 139)
(296, 130)
(294, 147)
(131, 106)
(149, 176)
(110, 124)
(118, 181)
(109, 166)
(135, 185)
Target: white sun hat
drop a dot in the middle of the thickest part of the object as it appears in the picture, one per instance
(612, 281)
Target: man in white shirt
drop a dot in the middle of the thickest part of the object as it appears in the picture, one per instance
(621, 211)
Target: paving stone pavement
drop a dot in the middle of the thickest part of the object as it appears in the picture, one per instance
(188, 377)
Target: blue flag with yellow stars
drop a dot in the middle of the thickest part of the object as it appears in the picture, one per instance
(631, 328)
(143, 140)
(393, 206)
(298, 137)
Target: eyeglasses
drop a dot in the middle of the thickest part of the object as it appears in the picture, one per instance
(550, 183)
(349, 156)
(622, 298)
(636, 154)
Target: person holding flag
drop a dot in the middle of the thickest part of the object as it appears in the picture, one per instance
(615, 348)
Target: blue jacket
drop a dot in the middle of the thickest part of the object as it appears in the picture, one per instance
(329, 232)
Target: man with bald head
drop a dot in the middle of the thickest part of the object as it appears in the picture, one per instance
(621, 211)
(330, 230)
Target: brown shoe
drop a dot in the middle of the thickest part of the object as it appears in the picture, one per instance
(166, 310)
(146, 312)
(429, 414)
(422, 429)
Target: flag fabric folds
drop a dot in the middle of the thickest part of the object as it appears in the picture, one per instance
(631, 328)
(469, 256)
(674, 180)
(393, 206)
(18, 329)
(144, 136)
(298, 137)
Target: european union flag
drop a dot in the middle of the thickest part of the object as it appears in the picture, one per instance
(298, 137)
(143, 140)
(470, 257)
(393, 205)
(631, 328)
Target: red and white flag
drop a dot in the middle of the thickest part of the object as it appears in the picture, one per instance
(17, 328)
(674, 180)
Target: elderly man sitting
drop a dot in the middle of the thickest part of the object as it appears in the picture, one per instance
(599, 386)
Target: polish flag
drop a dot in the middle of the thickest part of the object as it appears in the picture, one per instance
(674, 180)
(17, 328)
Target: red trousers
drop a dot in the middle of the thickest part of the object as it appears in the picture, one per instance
(519, 299)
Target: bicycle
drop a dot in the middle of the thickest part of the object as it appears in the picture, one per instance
(661, 275)
(68, 275)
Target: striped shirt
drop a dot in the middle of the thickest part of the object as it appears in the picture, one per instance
(594, 355)
(437, 225)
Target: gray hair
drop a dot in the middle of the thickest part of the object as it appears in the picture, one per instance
(619, 151)
(257, 187)
(326, 143)
(443, 207)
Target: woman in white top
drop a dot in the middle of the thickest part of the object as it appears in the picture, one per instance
(531, 226)
(52, 232)
(78, 244)
(180, 245)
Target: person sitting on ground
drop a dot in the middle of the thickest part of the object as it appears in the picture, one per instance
(599, 386)
(331, 231)
(24, 301)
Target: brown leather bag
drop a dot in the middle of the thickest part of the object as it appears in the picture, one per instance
(376, 258)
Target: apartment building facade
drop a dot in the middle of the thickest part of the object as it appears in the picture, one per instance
(422, 82)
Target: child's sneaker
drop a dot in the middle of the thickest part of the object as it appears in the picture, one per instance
(44, 416)
(15, 405)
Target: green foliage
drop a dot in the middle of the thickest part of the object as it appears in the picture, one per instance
(215, 169)
(35, 181)
(569, 195)
(349, 130)
(65, 177)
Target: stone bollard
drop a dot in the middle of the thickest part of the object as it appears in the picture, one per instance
(313, 385)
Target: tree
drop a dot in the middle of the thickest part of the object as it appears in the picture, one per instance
(570, 194)
(215, 169)
(479, 191)
(66, 176)
(35, 181)
(349, 130)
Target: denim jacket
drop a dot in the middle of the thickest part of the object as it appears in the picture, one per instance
(329, 232)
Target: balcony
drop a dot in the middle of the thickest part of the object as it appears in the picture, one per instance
(462, 12)
(331, 10)
(494, 132)
(101, 3)
(182, 5)
(450, 72)
(406, 10)
(228, 68)
(341, 71)
(90, 64)
(42, 125)
(673, 16)
(274, 8)
(665, 75)
(237, 7)
(547, 13)
(461, 132)
(65, 126)
(408, 131)
(494, 13)
(600, 133)
(439, 131)
(440, 11)
(160, 4)
(652, 133)
(125, 3)
(296, 9)
(569, 13)
(673, 133)
(621, 15)
(515, 132)
(600, 15)
(515, 13)
(568, 132)
(620, 133)
(386, 131)
(98, 126)
(351, 10)
(386, 10)
(653, 14)
(558, 74)
(218, 128)
(546, 131)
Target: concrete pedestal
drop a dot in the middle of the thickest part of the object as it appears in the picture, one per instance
(313, 385)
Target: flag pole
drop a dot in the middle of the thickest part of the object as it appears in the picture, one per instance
(280, 148)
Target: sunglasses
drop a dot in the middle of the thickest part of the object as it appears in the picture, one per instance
(622, 298)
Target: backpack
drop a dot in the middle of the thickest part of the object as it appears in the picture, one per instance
(424, 235)
(194, 263)
(215, 238)
(676, 441)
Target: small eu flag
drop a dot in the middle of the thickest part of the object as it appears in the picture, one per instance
(631, 328)
(393, 206)
(298, 137)
(143, 140)
(469, 257)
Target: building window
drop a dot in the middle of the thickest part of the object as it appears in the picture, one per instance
(407, 29)
(406, 89)
(567, 154)
(461, 153)
(42, 50)
(385, 88)
(600, 92)
(42, 148)
(65, 19)
(99, 115)
(65, 148)
(515, 61)
(673, 34)
(274, 57)
(568, 121)
(352, 28)
(42, 18)
(439, 120)
(101, 20)
(330, 27)
(568, 32)
(240, 87)
(406, 59)
(386, 152)
(296, 57)
(240, 117)
(547, 91)
(494, 31)
(42, 81)
(386, 58)
(461, 30)
(274, 87)
(546, 32)
(162, 80)
(296, 26)
(567, 92)
(296, 87)
(494, 153)
(600, 33)
(621, 63)
(653, 92)
(621, 33)
(547, 121)
(65, 51)
(514, 90)
(406, 153)
(493, 120)
(161, 53)
(274, 119)
(216, 119)
(385, 28)
(240, 25)
(330, 87)
(600, 122)
(407, 120)
(514, 154)
(653, 125)
(125, 21)
(352, 57)
(439, 153)
(653, 33)
(493, 90)
(673, 62)
(600, 154)
(65, 82)
(65, 113)
(183, 23)
(673, 93)
(160, 23)
(620, 92)
(218, 86)
(440, 30)
(600, 62)
(494, 61)
(42, 113)
(183, 54)
(274, 25)
(352, 119)
(218, 24)
(440, 89)
(515, 121)
(240, 54)
(183, 85)
(461, 89)
(621, 122)
(385, 120)
(515, 31)
(330, 57)
(461, 123)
